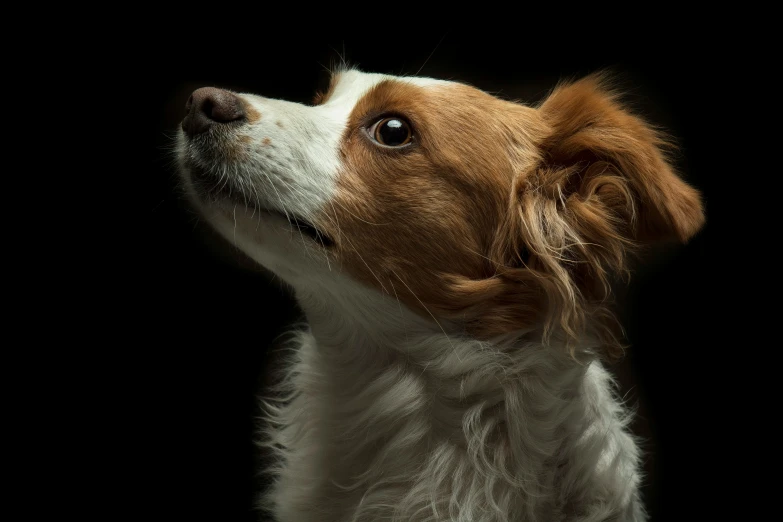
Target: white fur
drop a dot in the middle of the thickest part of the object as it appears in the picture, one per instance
(386, 415)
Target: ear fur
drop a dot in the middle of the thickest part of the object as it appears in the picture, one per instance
(594, 137)
(602, 187)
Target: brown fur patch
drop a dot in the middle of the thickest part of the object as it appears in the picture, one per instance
(603, 187)
(251, 113)
(591, 129)
(501, 216)
(266, 141)
(418, 222)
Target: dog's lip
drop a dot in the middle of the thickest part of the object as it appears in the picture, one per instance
(223, 191)
(304, 226)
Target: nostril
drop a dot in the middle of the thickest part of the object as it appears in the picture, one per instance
(223, 107)
(209, 106)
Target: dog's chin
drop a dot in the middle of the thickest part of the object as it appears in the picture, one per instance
(212, 191)
(210, 188)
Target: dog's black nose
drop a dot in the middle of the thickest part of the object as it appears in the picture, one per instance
(209, 106)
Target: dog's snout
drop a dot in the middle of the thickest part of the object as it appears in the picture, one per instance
(209, 106)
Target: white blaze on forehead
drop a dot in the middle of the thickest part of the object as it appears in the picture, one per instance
(298, 167)
(353, 84)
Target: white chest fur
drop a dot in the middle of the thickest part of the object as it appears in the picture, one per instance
(430, 427)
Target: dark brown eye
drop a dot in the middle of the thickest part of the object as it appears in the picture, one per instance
(392, 132)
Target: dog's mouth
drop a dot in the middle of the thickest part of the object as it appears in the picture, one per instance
(305, 227)
(209, 188)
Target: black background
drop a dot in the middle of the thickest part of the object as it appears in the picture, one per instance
(209, 317)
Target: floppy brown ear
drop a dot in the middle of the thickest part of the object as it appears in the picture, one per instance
(607, 157)
(599, 187)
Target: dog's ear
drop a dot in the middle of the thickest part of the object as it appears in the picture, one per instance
(613, 164)
(599, 187)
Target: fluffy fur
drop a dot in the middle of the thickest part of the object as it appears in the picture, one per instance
(456, 289)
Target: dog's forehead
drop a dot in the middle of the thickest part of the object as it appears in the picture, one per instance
(353, 84)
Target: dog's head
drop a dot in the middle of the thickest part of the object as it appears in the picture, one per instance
(492, 214)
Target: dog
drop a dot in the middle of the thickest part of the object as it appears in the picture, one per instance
(454, 254)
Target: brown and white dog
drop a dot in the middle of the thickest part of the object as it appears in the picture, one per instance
(453, 253)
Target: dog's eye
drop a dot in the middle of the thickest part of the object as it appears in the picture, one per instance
(392, 132)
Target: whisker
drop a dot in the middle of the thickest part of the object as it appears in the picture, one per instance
(336, 221)
(301, 236)
(368, 266)
(360, 219)
(402, 317)
(430, 56)
(327, 69)
(235, 226)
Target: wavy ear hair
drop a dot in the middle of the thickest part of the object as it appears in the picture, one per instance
(601, 188)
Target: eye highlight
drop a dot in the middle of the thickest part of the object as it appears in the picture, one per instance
(392, 131)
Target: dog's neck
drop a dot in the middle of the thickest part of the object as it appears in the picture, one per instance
(361, 337)
(358, 325)
(394, 407)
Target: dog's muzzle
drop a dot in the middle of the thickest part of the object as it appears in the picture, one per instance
(209, 106)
